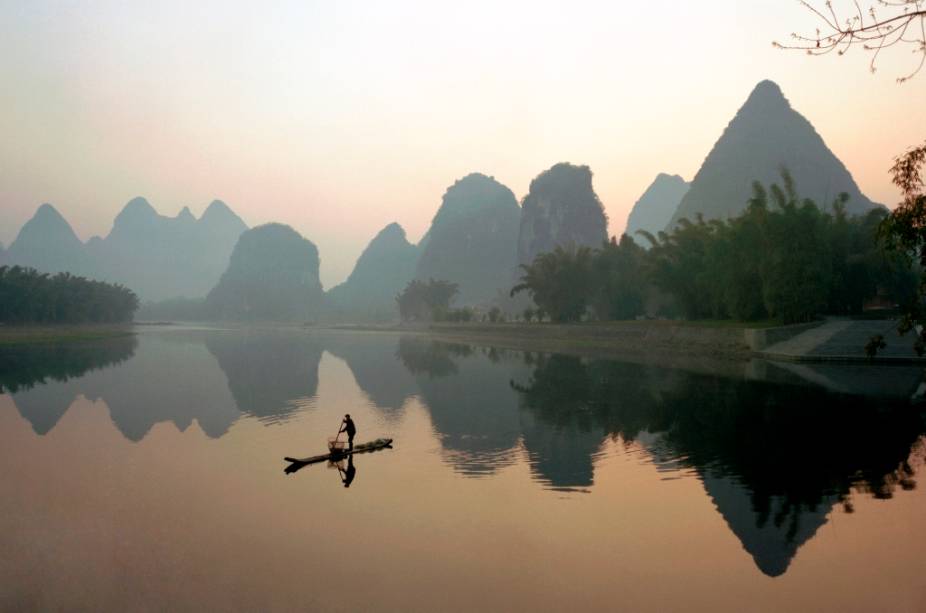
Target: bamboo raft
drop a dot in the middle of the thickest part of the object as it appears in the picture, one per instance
(380, 443)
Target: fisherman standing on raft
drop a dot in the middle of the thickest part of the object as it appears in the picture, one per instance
(349, 427)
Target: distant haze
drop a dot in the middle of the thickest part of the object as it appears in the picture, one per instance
(339, 118)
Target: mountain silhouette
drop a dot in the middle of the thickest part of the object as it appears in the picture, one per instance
(473, 240)
(471, 404)
(48, 243)
(652, 212)
(765, 136)
(384, 268)
(157, 257)
(45, 378)
(561, 209)
(377, 369)
(165, 257)
(272, 275)
(268, 370)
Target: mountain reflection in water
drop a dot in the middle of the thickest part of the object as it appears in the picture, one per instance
(774, 457)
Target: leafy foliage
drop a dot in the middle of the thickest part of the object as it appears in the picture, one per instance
(561, 282)
(904, 232)
(28, 296)
(784, 258)
(421, 301)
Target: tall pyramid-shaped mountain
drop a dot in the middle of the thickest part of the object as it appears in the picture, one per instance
(765, 136)
(652, 212)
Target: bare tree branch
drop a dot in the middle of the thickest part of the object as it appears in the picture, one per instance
(899, 22)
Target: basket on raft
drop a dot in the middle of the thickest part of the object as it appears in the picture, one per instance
(335, 446)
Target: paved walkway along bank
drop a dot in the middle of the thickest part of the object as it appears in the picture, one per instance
(843, 340)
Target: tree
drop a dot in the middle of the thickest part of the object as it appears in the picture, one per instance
(902, 23)
(887, 24)
(28, 296)
(784, 258)
(528, 314)
(424, 301)
(619, 270)
(904, 230)
(560, 282)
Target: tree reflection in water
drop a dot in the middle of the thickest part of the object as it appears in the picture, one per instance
(774, 458)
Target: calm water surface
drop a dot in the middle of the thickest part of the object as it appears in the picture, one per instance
(146, 473)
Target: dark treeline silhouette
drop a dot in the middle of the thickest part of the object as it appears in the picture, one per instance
(28, 296)
(784, 258)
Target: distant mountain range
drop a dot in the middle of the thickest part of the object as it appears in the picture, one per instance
(158, 257)
(477, 238)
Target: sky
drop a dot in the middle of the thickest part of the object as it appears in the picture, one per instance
(338, 118)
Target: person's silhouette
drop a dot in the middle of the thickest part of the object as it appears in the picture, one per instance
(349, 427)
(348, 475)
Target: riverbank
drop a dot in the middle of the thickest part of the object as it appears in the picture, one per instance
(11, 335)
(709, 348)
(714, 338)
(830, 340)
(722, 349)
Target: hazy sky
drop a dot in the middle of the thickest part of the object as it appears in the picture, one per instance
(340, 117)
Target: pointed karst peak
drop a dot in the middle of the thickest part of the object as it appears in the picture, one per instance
(47, 229)
(217, 208)
(49, 222)
(185, 215)
(221, 213)
(136, 210)
(48, 213)
(766, 97)
(392, 232)
(765, 135)
(767, 88)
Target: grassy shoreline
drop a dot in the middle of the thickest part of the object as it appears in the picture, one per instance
(713, 338)
(12, 335)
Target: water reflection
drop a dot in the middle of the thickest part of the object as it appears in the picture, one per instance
(379, 372)
(775, 454)
(42, 378)
(472, 407)
(268, 370)
(347, 474)
(774, 458)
